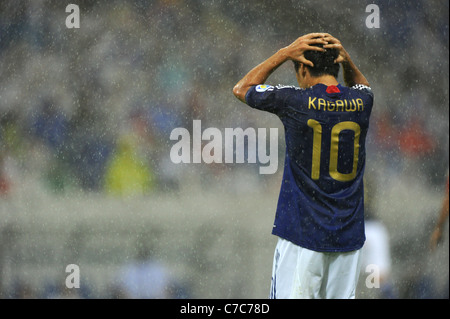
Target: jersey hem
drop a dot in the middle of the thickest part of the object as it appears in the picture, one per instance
(319, 249)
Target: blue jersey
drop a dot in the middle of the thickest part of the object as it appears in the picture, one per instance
(321, 201)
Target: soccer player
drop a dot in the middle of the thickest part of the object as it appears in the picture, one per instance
(320, 212)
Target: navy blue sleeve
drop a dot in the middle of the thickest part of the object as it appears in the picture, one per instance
(363, 88)
(268, 98)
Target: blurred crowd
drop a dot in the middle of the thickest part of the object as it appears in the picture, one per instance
(92, 108)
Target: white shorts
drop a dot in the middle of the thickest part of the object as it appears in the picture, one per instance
(300, 273)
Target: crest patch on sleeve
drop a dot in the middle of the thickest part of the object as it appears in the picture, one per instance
(262, 87)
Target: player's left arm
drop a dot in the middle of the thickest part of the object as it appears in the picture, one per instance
(352, 75)
(295, 51)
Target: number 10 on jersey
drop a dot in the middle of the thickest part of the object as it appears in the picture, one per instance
(334, 149)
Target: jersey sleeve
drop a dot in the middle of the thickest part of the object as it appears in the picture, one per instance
(363, 88)
(267, 98)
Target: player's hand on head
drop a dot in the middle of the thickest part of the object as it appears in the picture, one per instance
(295, 51)
(334, 43)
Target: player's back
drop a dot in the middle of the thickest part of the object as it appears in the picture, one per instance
(321, 201)
(326, 129)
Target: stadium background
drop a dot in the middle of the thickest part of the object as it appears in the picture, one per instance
(86, 116)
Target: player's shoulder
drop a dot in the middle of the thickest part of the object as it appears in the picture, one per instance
(362, 88)
(288, 87)
(290, 91)
(270, 98)
(280, 87)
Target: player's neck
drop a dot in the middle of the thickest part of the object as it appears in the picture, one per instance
(324, 79)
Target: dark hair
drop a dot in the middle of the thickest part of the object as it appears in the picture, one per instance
(323, 62)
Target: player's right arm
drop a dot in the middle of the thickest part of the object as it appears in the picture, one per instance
(352, 75)
(295, 51)
(436, 236)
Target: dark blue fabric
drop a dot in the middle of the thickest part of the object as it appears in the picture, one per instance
(324, 213)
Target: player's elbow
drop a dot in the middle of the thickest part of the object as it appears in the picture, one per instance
(239, 92)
